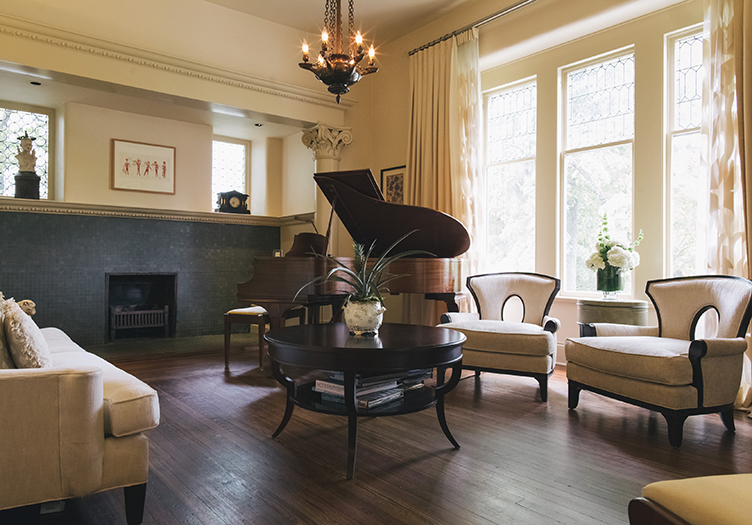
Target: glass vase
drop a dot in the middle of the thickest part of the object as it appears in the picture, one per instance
(610, 281)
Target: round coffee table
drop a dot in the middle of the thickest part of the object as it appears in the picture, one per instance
(398, 347)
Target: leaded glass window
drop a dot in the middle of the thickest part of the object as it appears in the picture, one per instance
(510, 178)
(597, 161)
(13, 125)
(688, 179)
(229, 167)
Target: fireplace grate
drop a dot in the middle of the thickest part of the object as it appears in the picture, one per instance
(123, 320)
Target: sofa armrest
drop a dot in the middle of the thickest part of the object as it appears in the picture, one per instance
(551, 324)
(53, 434)
(618, 330)
(454, 317)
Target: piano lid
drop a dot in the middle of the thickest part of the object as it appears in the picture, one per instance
(360, 205)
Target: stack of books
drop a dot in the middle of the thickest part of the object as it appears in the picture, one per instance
(372, 390)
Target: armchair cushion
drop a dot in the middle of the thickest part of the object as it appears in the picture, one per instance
(27, 344)
(613, 329)
(519, 338)
(708, 500)
(654, 359)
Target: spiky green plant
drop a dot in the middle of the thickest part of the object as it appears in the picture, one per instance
(367, 282)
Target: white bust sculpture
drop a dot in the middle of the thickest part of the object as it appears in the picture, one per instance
(27, 158)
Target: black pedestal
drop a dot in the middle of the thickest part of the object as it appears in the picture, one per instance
(27, 185)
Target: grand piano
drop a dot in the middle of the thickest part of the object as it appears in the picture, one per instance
(358, 202)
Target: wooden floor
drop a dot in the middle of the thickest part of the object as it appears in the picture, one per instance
(521, 462)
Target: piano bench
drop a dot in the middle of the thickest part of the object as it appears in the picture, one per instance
(254, 315)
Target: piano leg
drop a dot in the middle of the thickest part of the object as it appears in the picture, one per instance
(448, 298)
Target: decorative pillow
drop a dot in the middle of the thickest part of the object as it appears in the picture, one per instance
(28, 346)
(5, 360)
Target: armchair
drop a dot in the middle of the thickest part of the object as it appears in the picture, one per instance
(526, 348)
(664, 368)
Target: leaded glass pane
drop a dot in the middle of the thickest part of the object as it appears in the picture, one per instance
(688, 82)
(13, 125)
(600, 103)
(228, 167)
(598, 181)
(511, 124)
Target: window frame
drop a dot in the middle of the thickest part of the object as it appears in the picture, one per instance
(562, 129)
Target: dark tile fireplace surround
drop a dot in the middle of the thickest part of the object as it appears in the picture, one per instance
(63, 262)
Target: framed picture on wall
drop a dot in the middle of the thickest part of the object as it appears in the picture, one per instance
(137, 166)
(393, 184)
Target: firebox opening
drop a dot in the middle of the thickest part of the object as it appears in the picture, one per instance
(140, 305)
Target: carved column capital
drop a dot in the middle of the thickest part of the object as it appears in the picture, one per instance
(326, 141)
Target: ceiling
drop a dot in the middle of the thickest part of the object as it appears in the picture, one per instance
(380, 20)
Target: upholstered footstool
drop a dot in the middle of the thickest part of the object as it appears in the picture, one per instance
(710, 500)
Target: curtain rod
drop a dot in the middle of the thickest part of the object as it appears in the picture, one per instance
(477, 23)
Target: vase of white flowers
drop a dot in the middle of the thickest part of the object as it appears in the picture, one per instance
(611, 260)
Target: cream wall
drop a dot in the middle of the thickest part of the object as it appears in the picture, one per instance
(86, 136)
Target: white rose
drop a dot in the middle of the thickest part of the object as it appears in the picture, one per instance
(595, 262)
(611, 243)
(619, 257)
(635, 259)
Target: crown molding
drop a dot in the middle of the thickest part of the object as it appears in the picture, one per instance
(9, 204)
(51, 36)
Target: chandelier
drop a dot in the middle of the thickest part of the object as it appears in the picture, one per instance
(334, 67)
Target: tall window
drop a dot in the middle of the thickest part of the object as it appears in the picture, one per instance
(510, 178)
(229, 167)
(688, 180)
(13, 125)
(596, 160)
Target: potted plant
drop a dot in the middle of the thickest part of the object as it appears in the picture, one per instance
(364, 308)
(611, 260)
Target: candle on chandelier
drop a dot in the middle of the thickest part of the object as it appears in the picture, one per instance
(359, 41)
(305, 51)
(371, 54)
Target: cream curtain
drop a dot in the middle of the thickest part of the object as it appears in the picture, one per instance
(726, 63)
(443, 160)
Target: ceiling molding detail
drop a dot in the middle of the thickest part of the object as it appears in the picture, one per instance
(164, 63)
(8, 204)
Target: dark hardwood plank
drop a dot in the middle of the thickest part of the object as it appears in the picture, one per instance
(522, 461)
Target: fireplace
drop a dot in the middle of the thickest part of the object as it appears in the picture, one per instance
(140, 305)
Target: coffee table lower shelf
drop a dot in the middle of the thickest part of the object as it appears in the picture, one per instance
(412, 401)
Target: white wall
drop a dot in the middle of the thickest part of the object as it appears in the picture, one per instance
(87, 134)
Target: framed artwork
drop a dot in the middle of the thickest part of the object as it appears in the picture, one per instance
(137, 166)
(393, 184)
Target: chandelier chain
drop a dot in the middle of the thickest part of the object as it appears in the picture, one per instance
(351, 28)
(330, 25)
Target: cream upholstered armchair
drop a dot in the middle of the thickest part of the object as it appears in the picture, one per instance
(664, 368)
(526, 348)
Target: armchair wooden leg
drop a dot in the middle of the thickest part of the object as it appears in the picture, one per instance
(675, 428)
(727, 416)
(574, 395)
(135, 497)
(543, 383)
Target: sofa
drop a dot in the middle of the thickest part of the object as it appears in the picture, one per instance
(73, 426)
